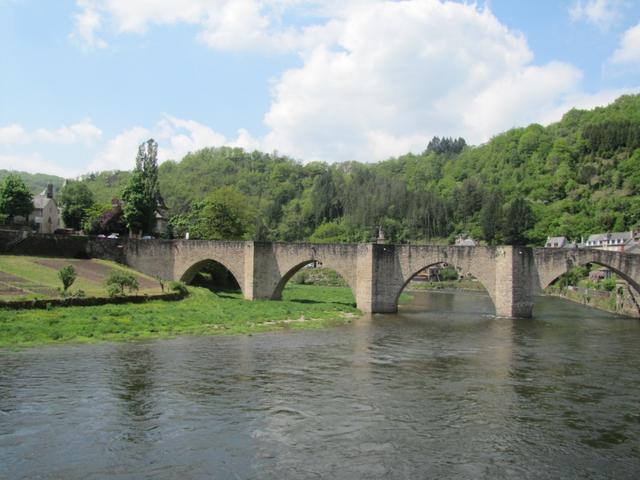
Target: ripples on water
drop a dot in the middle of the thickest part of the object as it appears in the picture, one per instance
(448, 393)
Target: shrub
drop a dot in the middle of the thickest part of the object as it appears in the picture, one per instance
(179, 287)
(300, 278)
(118, 280)
(67, 276)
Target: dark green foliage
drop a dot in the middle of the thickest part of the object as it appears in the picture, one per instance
(446, 145)
(448, 274)
(226, 214)
(179, 287)
(118, 280)
(136, 204)
(15, 198)
(141, 195)
(491, 216)
(76, 200)
(518, 219)
(67, 276)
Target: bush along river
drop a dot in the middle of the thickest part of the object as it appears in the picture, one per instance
(443, 389)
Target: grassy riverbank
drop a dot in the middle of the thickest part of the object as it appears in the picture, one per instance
(202, 313)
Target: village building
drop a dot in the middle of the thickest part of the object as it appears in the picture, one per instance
(46, 214)
(559, 242)
(161, 226)
(614, 241)
(602, 273)
(556, 242)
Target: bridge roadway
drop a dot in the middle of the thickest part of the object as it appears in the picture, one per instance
(376, 273)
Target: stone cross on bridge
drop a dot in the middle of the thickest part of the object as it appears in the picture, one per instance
(376, 273)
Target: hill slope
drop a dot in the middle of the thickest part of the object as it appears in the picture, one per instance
(579, 176)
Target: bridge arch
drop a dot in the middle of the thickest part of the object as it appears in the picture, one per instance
(290, 258)
(485, 280)
(190, 272)
(292, 270)
(549, 271)
(548, 280)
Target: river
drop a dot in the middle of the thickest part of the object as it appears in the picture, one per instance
(441, 390)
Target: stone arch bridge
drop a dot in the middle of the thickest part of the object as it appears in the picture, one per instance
(376, 273)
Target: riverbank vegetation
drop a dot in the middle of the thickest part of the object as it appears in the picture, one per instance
(202, 313)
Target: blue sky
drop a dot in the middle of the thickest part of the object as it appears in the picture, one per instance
(83, 82)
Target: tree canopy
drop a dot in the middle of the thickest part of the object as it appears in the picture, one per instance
(141, 195)
(15, 198)
(75, 199)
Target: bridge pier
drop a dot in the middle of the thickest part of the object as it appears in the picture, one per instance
(513, 285)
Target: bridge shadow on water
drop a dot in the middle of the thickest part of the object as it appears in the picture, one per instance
(309, 301)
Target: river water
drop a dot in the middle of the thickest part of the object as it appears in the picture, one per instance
(441, 390)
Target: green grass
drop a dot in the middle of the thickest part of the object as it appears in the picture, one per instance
(202, 313)
(35, 275)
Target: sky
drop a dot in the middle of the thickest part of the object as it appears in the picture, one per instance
(84, 82)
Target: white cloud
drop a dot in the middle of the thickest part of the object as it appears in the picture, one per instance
(87, 22)
(601, 13)
(176, 137)
(82, 132)
(224, 24)
(120, 152)
(12, 134)
(404, 71)
(377, 78)
(628, 53)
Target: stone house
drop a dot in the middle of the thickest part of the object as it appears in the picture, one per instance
(614, 241)
(46, 214)
(162, 217)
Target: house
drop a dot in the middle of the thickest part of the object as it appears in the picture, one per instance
(556, 242)
(600, 274)
(45, 215)
(162, 217)
(429, 274)
(615, 241)
(560, 242)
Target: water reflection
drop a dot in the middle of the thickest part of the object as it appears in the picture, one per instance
(441, 390)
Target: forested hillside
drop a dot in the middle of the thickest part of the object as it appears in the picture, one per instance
(35, 182)
(575, 177)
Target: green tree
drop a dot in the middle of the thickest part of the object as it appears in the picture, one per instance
(518, 219)
(76, 200)
(142, 194)
(15, 198)
(118, 280)
(491, 216)
(91, 222)
(67, 276)
(226, 215)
